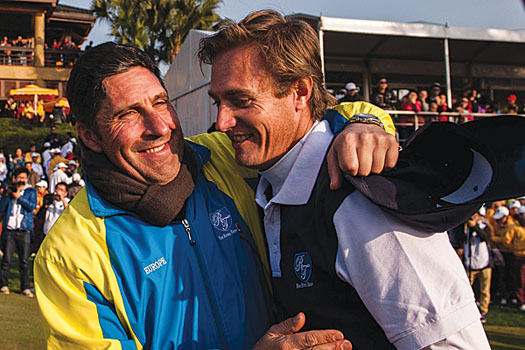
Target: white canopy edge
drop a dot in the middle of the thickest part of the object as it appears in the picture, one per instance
(422, 30)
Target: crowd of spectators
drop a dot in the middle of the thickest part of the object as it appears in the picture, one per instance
(36, 187)
(11, 54)
(434, 100)
(26, 112)
(492, 247)
(58, 52)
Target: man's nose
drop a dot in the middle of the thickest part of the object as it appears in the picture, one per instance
(225, 118)
(157, 123)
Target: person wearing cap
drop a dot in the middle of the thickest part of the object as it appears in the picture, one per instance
(382, 96)
(57, 158)
(72, 167)
(58, 175)
(514, 206)
(511, 105)
(36, 165)
(501, 223)
(30, 155)
(352, 93)
(435, 92)
(344, 260)
(514, 240)
(46, 156)
(75, 186)
(67, 150)
(476, 257)
(39, 215)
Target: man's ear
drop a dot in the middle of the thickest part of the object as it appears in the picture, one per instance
(303, 92)
(89, 137)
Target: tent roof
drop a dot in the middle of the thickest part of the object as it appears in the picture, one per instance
(420, 41)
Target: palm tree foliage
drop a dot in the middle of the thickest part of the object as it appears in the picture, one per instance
(159, 27)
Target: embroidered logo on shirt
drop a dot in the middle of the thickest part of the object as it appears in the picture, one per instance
(222, 220)
(303, 269)
(156, 265)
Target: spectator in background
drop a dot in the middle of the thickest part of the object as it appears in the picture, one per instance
(382, 96)
(46, 157)
(515, 241)
(511, 107)
(36, 165)
(29, 155)
(18, 161)
(53, 138)
(410, 103)
(476, 258)
(57, 158)
(59, 204)
(41, 191)
(75, 186)
(39, 215)
(423, 99)
(352, 93)
(67, 149)
(10, 108)
(435, 92)
(501, 224)
(17, 204)
(474, 100)
(3, 168)
(72, 168)
(58, 176)
(33, 175)
(518, 244)
(514, 206)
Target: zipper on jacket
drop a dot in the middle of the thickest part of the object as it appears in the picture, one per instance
(208, 285)
(186, 225)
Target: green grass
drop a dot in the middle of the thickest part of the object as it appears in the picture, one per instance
(22, 326)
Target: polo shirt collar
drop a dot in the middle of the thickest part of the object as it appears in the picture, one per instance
(299, 183)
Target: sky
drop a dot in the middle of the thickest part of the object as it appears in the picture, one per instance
(503, 14)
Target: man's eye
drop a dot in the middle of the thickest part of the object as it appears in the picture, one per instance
(242, 102)
(161, 103)
(216, 103)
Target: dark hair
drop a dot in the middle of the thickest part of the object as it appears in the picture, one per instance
(18, 171)
(61, 183)
(288, 47)
(85, 88)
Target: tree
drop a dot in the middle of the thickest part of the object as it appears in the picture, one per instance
(159, 27)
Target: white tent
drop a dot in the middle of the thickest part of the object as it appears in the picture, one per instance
(188, 87)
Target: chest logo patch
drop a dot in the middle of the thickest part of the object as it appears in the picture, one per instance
(303, 269)
(222, 221)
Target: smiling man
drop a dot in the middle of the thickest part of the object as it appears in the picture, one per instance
(163, 247)
(335, 255)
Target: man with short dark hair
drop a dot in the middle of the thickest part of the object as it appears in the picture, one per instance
(18, 202)
(59, 204)
(168, 247)
(167, 244)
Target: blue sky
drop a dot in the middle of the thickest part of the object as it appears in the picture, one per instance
(505, 14)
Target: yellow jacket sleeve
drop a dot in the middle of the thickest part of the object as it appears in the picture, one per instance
(349, 109)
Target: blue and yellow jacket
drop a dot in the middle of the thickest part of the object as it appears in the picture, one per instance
(107, 280)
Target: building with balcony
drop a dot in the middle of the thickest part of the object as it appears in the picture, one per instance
(39, 41)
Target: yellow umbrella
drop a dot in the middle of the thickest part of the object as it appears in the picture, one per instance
(57, 102)
(33, 92)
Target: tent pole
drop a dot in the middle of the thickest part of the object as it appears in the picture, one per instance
(447, 70)
(321, 46)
